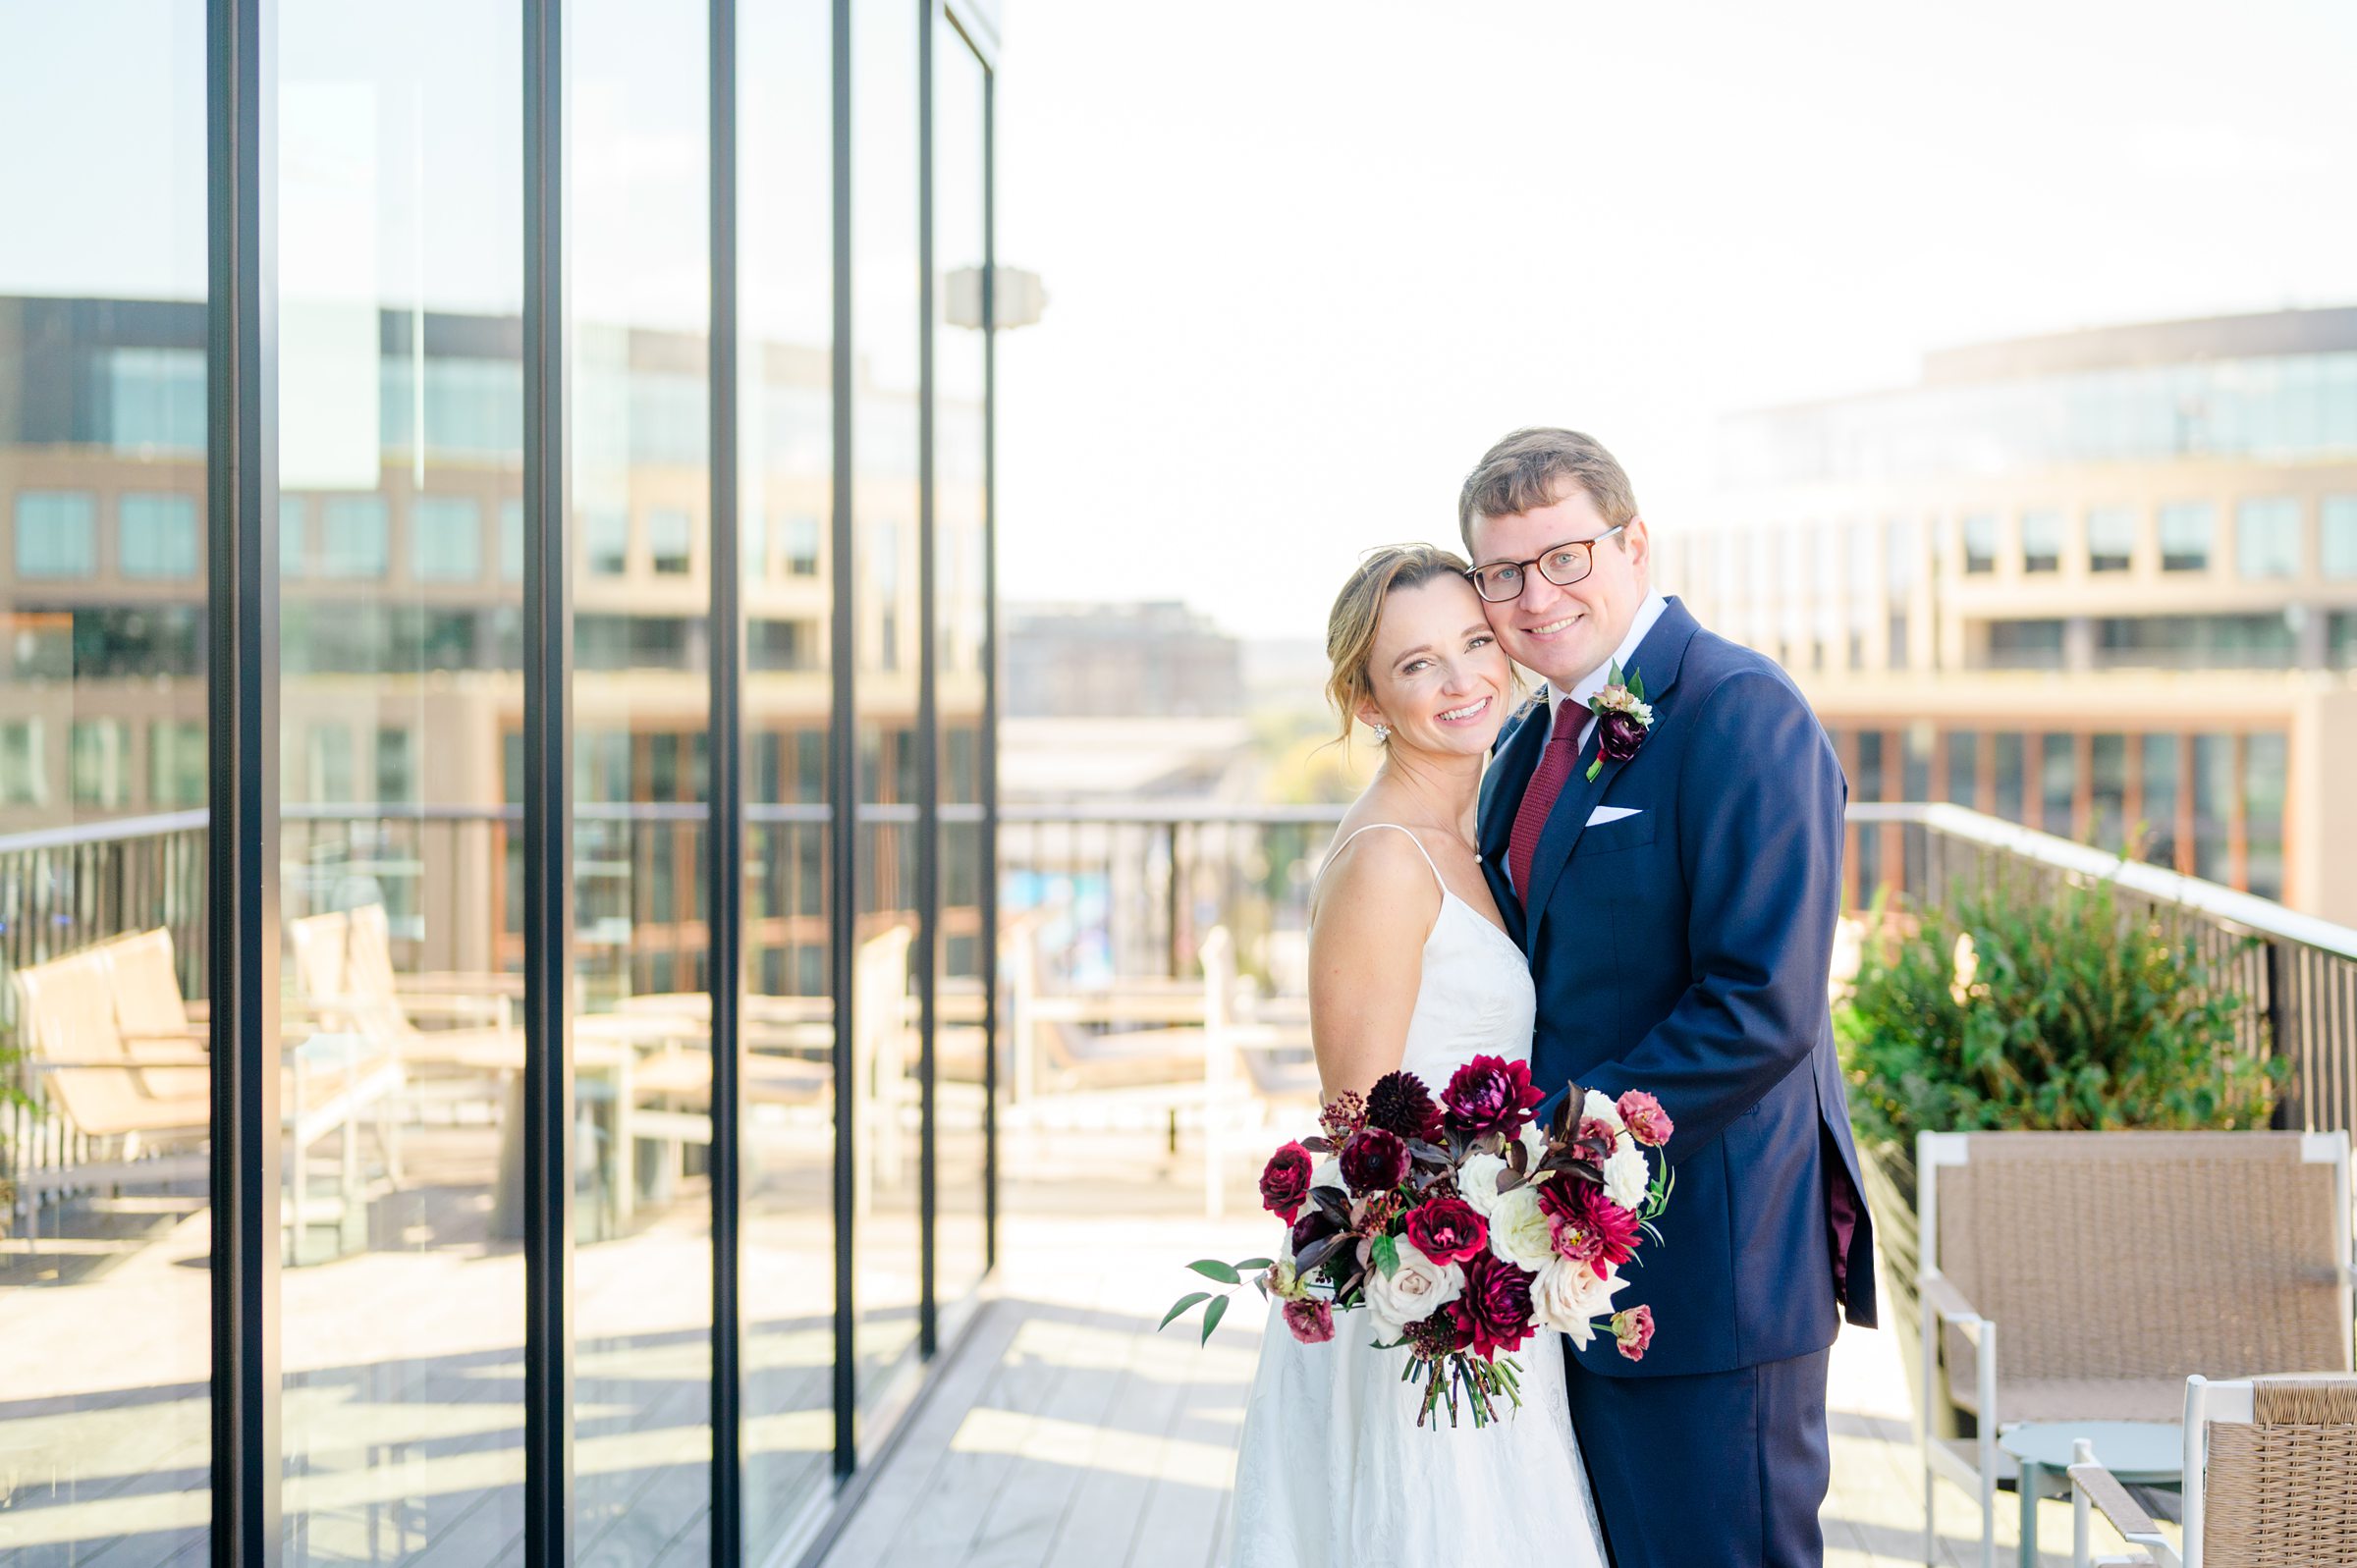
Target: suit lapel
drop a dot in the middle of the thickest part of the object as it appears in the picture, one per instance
(1656, 661)
(1501, 792)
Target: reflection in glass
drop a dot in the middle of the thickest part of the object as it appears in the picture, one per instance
(402, 1294)
(105, 1224)
(961, 545)
(643, 1067)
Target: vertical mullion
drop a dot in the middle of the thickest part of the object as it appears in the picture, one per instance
(987, 753)
(548, 1140)
(242, 479)
(725, 830)
(843, 756)
(928, 746)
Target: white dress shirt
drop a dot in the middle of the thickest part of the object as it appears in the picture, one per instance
(1585, 692)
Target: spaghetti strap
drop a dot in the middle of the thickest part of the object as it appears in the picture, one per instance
(1411, 839)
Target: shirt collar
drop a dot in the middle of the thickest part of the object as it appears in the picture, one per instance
(1580, 696)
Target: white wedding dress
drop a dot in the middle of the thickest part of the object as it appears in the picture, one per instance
(1333, 1472)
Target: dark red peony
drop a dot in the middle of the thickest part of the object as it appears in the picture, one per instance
(1284, 1182)
(1588, 1226)
(1490, 1094)
(1374, 1160)
(1448, 1229)
(1400, 1103)
(1494, 1313)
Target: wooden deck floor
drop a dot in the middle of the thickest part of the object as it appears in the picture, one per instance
(1066, 1432)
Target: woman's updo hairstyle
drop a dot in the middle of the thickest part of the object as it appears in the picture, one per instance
(1350, 625)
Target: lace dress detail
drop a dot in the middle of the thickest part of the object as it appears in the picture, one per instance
(1332, 1472)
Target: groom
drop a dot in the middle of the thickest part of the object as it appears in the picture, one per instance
(1677, 906)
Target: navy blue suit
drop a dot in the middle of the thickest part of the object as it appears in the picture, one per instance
(1684, 950)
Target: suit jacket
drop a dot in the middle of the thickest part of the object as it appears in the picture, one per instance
(1684, 950)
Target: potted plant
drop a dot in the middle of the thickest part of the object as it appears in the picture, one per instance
(2018, 1003)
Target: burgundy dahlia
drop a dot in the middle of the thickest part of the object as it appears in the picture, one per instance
(1284, 1182)
(1490, 1094)
(1588, 1226)
(1448, 1229)
(1400, 1103)
(1374, 1160)
(1619, 734)
(1494, 1313)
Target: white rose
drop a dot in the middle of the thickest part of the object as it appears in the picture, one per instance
(1627, 1176)
(1519, 1230)
(1601, 1109)
(1415, 1290)
(1477, 1182)
(1569, 1296)
(1534, 1145)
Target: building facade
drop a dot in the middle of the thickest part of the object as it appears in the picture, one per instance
(603, 1203)
(2103, 583)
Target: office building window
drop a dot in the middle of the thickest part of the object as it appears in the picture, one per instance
(56, 534)
(294, 539)
(176, 764)
(1862, 563)
(446, 539)
(2213, 807)
(2025, 645)
(24, 772)
(2110, 538)
(2005, 754)
(2336, 536)
(1900, 542)
(1979, 530)
(668, 541)
(2107, 790)
(798, 545)
(155, 399)
(1963, 768)
(2264, 761)
(2188, 530)
(352, 538)
(2162, 642)
(2267, 537)
(2340, 639)
(396, 766)
(2057, 782)
(2161, 775)
(329, 752)
(2041, 540)
(606, 541)
(1915, 763)
(99, 751)
(156, 537)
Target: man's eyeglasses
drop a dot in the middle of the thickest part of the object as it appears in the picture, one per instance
(1562, 565)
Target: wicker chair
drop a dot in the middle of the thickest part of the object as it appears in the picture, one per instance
(2117, 1264)
(2271, 1478)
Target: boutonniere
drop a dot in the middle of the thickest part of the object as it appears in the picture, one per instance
(1622, 716)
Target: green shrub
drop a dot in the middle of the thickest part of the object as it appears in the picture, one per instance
(2082, 1011)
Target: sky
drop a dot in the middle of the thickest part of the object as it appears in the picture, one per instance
(1306, 259)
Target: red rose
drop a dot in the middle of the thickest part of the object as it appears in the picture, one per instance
(1312, 1322)
(1648, 1122)
(1448, 1229)
(1284, 1182)
(1635, 1329)
(1588, 1226)
(1400, 1103)
(1374, 1160)
(1494, 1313)
(1490, 1094)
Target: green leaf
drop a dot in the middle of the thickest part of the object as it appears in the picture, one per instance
(1387, 1255)
(1213, 1269)
(1180, 1305)
(1636, 686)
(1211, 1318)
(1250, 1264)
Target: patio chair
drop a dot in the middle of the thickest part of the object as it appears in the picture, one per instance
(344, 973)
(2271, 1478)
(2117, 1264)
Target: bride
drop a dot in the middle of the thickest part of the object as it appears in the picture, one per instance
(1409, 968)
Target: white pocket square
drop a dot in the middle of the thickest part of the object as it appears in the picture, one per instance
(1604, 814)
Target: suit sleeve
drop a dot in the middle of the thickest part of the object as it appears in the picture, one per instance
(1760, 799)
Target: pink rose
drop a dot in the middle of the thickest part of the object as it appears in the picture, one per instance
(1312, 1322)
(1648, 1122)
(1633, 1328)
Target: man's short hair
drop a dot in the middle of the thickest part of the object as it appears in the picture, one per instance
(1531, 468)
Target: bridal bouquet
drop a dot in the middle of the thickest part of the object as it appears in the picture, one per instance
(1460, 1227)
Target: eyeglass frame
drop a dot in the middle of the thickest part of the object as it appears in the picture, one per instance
(1473, 573)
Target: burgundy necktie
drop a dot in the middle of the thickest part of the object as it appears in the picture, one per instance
(1546, 783)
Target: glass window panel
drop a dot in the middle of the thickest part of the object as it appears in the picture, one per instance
(156, 537)
(57, 535)
(2188, 530)
(644, 1274)
(401, 1301)
(2213, 806)
(2163, 770)
(105, 1219)
(2336, 536)
(446, 539)
(2107, 763)
(798, 545)
(293, 538)
(2266, 536)
(2110, 538)
(1963, 767)
(511, 541)
(2263, 784)
(2057, 782)
(2006, 752)
(2041, 540)
(1979, 534)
